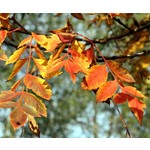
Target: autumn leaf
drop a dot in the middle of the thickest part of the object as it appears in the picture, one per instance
(120, 72)
(18, 118)
(38, 85)
(17, 67)
(33, 125)
(3, 34)
(25, 41)
(78, 16)
(106, 91)
(15, 86)
(137, 108)
(7, 104)
(66, 37)
(3, 56)
(41, 64)
(133, 91)
(39, 53)
(16, 55)
(96, 77)
(34, 104)
(77, 46)
(8, 95)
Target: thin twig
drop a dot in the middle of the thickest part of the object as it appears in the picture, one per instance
(123, 121)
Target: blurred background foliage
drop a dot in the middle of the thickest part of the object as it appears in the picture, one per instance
(73, 112)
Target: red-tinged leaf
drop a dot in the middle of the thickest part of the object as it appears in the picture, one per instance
(25, 41)
(30, 110)
(89, 53)
(17, 67)
(7, 104)
(38, 85)
(3, 34)
(15, 86)
(40, 39)
(8, 95)
(72, 68)
(137, 108)
(3, 56)
(16, 55)
(39, 53)
(78, 16)
(106, 91)
(52, 43)
(66, 37)
(33, 102)
(120, 72)
(133, 91)
(97, 76)
(41, 64)
(33, 125)
(121, 98)
(17, 118)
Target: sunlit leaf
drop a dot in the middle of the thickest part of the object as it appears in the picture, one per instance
(3, 34)
(41, 64)
(77, 46)
(17, 118)
(25, 41)
(34, 103)
(8, 95)
(17, 67)
(38, 85)
(15, 86)
(16, 55)
(120, 72)
(106, 91)
(97, 76)
(7, 104)
(137, 108)
(133, 91)
(39, 53)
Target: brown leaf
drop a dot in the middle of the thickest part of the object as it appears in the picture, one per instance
(78, 16)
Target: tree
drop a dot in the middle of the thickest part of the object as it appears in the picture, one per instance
(46, 55)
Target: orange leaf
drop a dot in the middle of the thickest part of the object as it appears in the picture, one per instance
(16, 55)
(25, 41)
(17, 67)
(7, 104)
(8, 95)
(121, 98)
(36, 105)
(3, 34)
(3, 56)
(96, 77)
(72, 68)
(39, 53)
(106, 91)
(17, 118)
(137, 107)
(133, 91)
(66, 37)
(120, 72)
(15, 86)
(38, 85)
(41, 64)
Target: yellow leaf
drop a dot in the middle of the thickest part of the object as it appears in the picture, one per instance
(25, 41)
(35, 104)
(39, 53)
(3, 56)
(38, 85)
(16, 55)
(17, 67)
(17, 118)
(41, 64)
(77, 46)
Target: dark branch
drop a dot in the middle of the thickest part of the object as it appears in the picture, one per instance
(143, 53)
